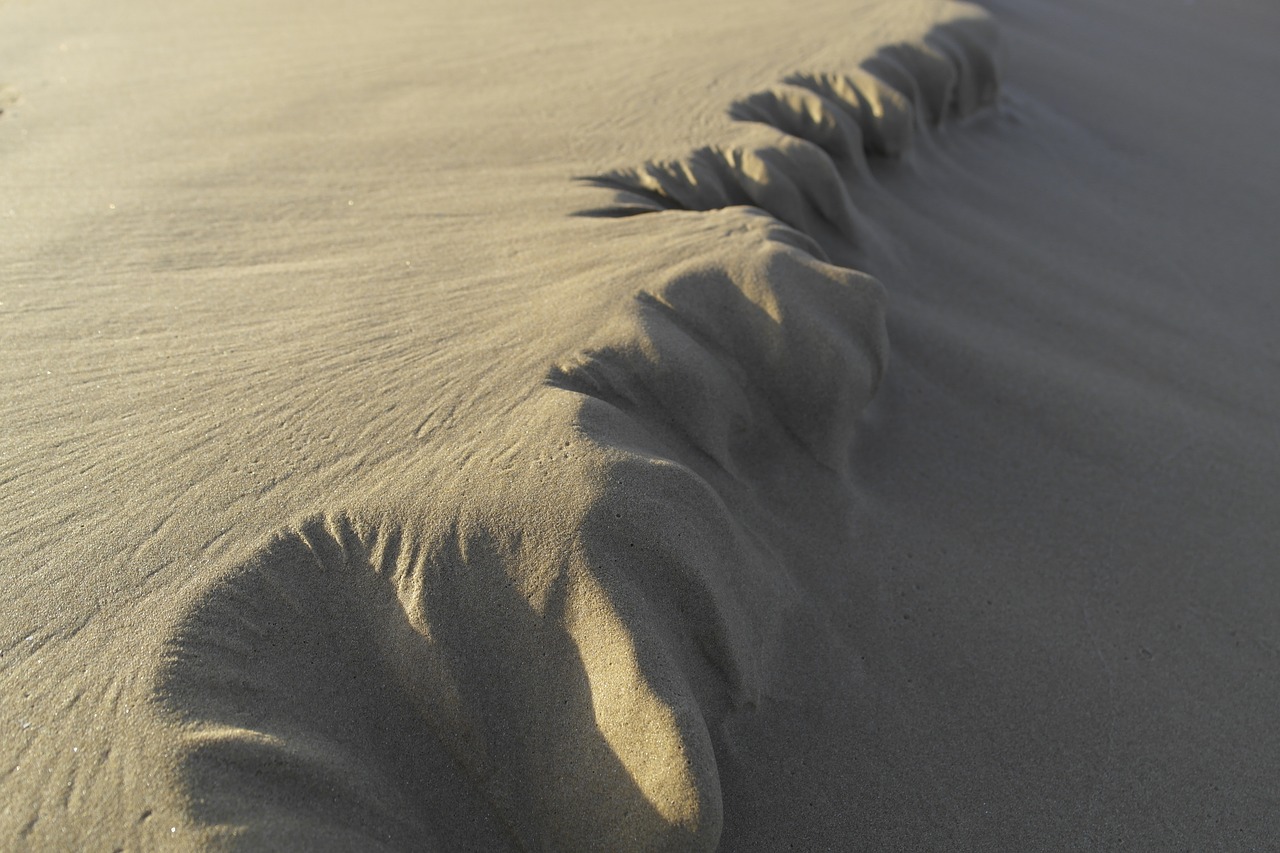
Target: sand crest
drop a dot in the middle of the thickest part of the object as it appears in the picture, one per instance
(560, 429)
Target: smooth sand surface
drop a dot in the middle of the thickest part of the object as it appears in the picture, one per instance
(653, 426)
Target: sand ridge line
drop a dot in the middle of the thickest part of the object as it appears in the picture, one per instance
(568, 617)
(564, 623)
(805, 141)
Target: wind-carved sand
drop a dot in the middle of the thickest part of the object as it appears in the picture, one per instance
(571, 618)
(807, 141)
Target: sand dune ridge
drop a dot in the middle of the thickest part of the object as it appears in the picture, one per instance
(804, 141)
(570, 616)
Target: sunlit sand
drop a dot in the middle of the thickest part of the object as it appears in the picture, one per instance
(660, 426)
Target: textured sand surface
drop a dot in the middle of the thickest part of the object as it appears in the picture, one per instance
(655, 427)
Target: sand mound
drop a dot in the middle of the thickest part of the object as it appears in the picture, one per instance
(573, 627)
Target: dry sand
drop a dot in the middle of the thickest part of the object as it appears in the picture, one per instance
(826, 426)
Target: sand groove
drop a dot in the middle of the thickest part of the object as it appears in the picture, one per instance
(561, 623)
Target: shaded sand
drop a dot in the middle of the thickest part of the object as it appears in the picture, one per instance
(634, 429)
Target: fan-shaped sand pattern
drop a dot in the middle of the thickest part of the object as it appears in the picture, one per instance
(562, 622)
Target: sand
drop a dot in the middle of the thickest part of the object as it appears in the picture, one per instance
(659, 426)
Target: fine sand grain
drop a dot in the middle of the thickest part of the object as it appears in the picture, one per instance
(661, 426)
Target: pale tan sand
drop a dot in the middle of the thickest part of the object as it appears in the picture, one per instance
(658, 426)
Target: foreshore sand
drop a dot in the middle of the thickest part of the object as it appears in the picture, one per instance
(659, 426)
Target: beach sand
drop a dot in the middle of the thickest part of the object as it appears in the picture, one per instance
(663, 426)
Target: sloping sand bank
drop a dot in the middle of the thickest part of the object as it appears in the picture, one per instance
(568, 428)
